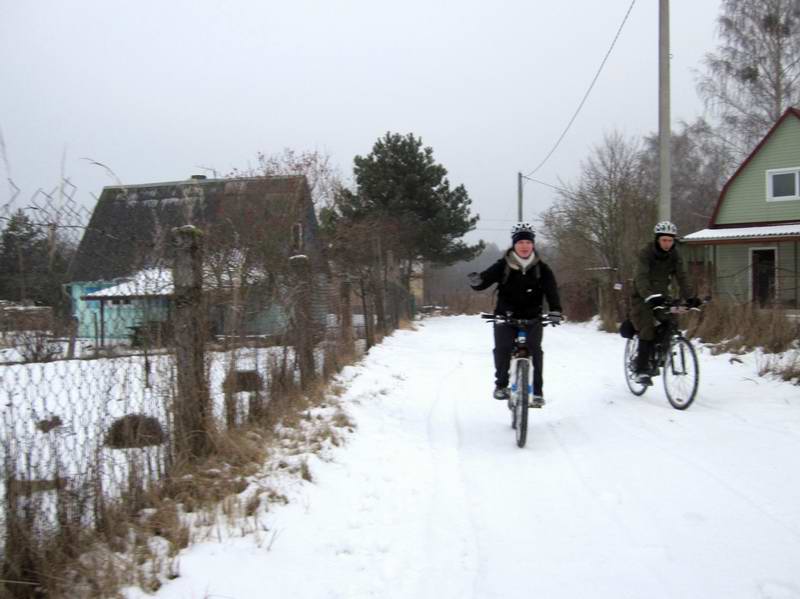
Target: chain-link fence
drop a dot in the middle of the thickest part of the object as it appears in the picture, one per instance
(139, 359)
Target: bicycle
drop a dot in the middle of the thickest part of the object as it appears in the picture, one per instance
(673, 356)
(521, 369)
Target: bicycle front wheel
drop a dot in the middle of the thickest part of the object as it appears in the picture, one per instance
(681, 373)
(631, 348)
(521, 405)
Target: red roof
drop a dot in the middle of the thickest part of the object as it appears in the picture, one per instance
(789, 111)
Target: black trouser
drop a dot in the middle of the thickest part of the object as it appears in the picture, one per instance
(657, 330)
(503, 346)
(643, 356)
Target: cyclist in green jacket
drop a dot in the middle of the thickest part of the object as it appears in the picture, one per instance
(659, 263)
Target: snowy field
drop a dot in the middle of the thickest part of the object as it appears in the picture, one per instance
(614, 496)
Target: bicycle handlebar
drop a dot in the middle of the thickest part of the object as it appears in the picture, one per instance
(544, 320)
(679, 306)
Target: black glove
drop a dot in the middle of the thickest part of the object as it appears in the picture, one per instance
(555, 318)
(655, 300)
(694, 302)
(474, 279)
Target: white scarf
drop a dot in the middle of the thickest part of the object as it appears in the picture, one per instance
(525, 262)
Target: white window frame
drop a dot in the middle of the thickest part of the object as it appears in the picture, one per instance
(783, 171)
(774, 248)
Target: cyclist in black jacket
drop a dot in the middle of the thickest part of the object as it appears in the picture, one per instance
(523, 282)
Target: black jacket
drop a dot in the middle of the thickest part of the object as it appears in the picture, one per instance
(521, 292)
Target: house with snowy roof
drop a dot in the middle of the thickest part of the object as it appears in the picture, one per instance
(121, 278)
(750, 248)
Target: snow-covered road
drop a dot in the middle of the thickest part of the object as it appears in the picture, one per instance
(614, 496)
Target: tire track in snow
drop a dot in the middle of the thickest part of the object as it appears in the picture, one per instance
(596, 495)
(451, 528)
(655, 439)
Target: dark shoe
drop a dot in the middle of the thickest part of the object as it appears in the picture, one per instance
(501, 393)
(643, 378)
(537, 401)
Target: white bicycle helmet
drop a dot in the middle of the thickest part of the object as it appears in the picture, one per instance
(522, 227)
(665, 228)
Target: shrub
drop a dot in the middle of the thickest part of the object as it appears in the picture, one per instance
(735, 327)
(135, 430)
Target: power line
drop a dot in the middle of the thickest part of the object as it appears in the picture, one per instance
(550, 185)
(586, 95)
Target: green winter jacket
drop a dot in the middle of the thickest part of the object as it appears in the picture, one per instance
(655, 270)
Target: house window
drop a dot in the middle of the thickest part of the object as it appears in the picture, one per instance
(783, 184)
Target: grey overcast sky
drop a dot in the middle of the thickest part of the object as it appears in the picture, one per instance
(157, 89)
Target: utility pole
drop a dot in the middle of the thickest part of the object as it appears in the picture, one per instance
(664, 130)
(519, 197)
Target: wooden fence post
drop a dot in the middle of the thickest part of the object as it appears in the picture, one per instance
(369, 329)
(303, 329)
(346, 315)
(192, 409)
(376, 281)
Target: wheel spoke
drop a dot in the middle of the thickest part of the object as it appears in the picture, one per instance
(681, 374)
(631, 349)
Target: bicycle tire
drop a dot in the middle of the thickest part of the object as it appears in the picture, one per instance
(631, 348)
(521, 405)
(681, 373)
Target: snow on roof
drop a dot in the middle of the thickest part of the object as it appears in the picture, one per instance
(156, 282)
(150, 282)
(744, 233)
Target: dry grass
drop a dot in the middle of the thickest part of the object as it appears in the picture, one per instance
(135, 540)
(785, 366)
(406, 325)
(737, 328)
(740, 328)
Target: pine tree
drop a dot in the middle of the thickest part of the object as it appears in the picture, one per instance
(33, 262)
(406, 193)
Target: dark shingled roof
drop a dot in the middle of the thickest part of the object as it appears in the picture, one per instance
(130, 226)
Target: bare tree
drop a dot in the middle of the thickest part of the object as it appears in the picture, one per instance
(323, 178)
(597, 225)
(700, 166)
(602, 218)
(753, 76)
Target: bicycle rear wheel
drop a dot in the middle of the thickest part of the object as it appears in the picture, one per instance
(681, 373)
(631, 349)
(521, 405)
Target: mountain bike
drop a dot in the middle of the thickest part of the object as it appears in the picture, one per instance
(520, 372)
(673, 357)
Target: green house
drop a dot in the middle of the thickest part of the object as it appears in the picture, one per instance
(749, 251)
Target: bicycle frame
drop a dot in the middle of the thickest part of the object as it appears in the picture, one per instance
(520, 349)
(520, 352)
(521, 361)
(669, 333)
(673, 358)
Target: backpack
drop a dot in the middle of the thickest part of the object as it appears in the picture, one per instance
(626, 329)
